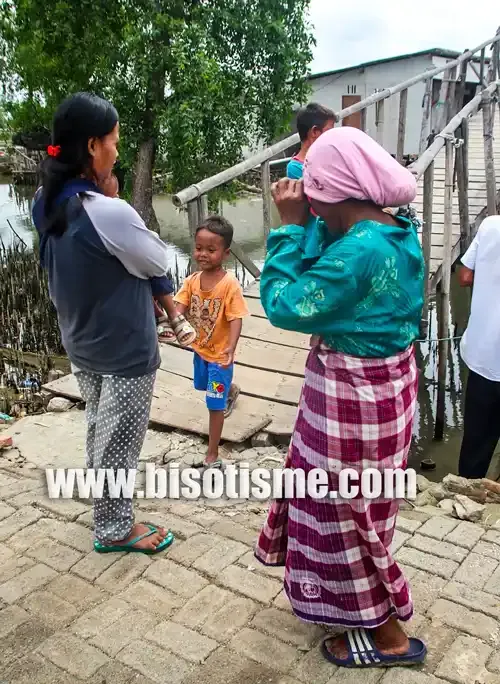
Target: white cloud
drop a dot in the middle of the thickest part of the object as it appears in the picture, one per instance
(361, 30)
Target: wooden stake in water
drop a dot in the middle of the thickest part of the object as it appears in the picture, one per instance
(426, 241)
(443, 295)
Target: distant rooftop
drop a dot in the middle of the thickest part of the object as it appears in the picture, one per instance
(435, 52)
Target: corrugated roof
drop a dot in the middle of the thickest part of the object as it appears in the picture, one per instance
(435, 52)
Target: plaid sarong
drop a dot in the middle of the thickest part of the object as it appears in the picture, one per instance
(353, 413)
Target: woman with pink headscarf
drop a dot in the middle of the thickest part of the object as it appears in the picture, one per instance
(362, 301)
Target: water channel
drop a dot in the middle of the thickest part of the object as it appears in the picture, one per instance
(246, 216)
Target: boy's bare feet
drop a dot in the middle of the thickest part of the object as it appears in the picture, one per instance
(150, 542)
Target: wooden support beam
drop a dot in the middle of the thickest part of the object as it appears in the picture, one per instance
(193, 219)
(451, 95)
(239, 254)
(444, 293)
(426, 241)
(379, 121)
(265, 172)
(474, 68)
(481, 67)
(202, 208)
(426, 115)
(462, 170)
(460, 87)
(489, 159)
(442, 112)
(403, 105)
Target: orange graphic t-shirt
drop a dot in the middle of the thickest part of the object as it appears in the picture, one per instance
(210, 312)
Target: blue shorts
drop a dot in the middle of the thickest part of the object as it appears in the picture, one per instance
(214, 380)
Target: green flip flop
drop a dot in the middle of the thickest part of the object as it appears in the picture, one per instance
(129, 546)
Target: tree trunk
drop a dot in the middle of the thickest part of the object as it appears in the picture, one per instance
(142, 192)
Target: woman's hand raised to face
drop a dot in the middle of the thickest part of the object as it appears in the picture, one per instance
(290, 201)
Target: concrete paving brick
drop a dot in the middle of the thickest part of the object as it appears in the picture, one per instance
(69, 509)
(181, 527)
(313, 667)
(148, 596)
(100, 618)
(225, 552)
(86, 519)
(438, 639)
(28, 581)
(5, 510)
(10, 618)
(425, 589)
(399, 539)
(492, 586)
(249, 584)
(406, 675)
(33, 669)
(154, 662)
(57, 556)
(115, 673)
(425, 561)
(438, 527)
(75, 655)
(90, 567)
(38, 532)
(438, 548)
(185, 510)
(206, 518)
(224, 666)
(407, 524)
(282, 603)
(182, 641)
(494, 662)
(464, 661)
(19, 486)
(484, 548)
(5, 553)
(473, 623)
(265, 650)
(50, 608)
(72, 534)
(345, 676)
(24, 639)
(490, 536)
(287, 627)
(133, 625)
(20, 519)
(11, 566)
(191, 549)
(123, 572)
(80, 593)
(476, 570)
(475, 599)
(232, 530)
(466, 534)
(175, 578)
(217, 613)
(251, 563)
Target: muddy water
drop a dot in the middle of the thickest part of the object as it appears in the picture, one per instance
(246, 216)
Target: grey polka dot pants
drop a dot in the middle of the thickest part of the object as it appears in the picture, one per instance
(117, 413)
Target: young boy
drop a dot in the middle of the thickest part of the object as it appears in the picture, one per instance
(213, 303)
(312, 121)
(170, 325)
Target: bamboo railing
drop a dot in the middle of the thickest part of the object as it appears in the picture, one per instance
(453, 136)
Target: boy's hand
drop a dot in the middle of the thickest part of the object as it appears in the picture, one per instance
(291, 202)
(229, 354)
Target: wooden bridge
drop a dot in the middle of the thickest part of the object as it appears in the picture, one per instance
(457, 189)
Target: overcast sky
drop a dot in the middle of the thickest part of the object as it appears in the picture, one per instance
(355, 31)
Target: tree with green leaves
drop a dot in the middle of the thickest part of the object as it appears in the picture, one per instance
(194, 81)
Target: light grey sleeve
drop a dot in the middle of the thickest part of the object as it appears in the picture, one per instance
(125, 235)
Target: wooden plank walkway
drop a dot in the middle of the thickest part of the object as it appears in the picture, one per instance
(477, 187)
(269, 370)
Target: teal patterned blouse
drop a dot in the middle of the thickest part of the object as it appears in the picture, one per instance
(363, 296)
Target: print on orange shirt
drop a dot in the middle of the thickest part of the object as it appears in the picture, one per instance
(210, 312)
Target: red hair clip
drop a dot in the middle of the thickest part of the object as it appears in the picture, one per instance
(53, 150)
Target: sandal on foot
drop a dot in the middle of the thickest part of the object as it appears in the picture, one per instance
(362, 652)
(183, 330)
(129, 546)
(214, 464)
(234, 393)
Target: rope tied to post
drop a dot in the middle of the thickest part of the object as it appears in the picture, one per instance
(456, 142)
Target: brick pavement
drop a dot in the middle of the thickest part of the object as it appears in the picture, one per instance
(206, 611)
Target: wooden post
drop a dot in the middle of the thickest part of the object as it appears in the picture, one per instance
(202, 208)
(444, 293)
(363, 119)
(265, 171)
(481, 68)
(489, 162)
(193, 220)
(441, 104)
(450, 97)
(426, 114)
(403, 103)
(460, 88)
(462, 169)
(426, 241)
(379, 121)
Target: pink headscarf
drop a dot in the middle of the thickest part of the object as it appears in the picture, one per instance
(345, 163)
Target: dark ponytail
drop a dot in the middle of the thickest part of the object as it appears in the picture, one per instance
(77, 119)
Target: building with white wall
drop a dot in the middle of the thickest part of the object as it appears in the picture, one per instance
(341, 88)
